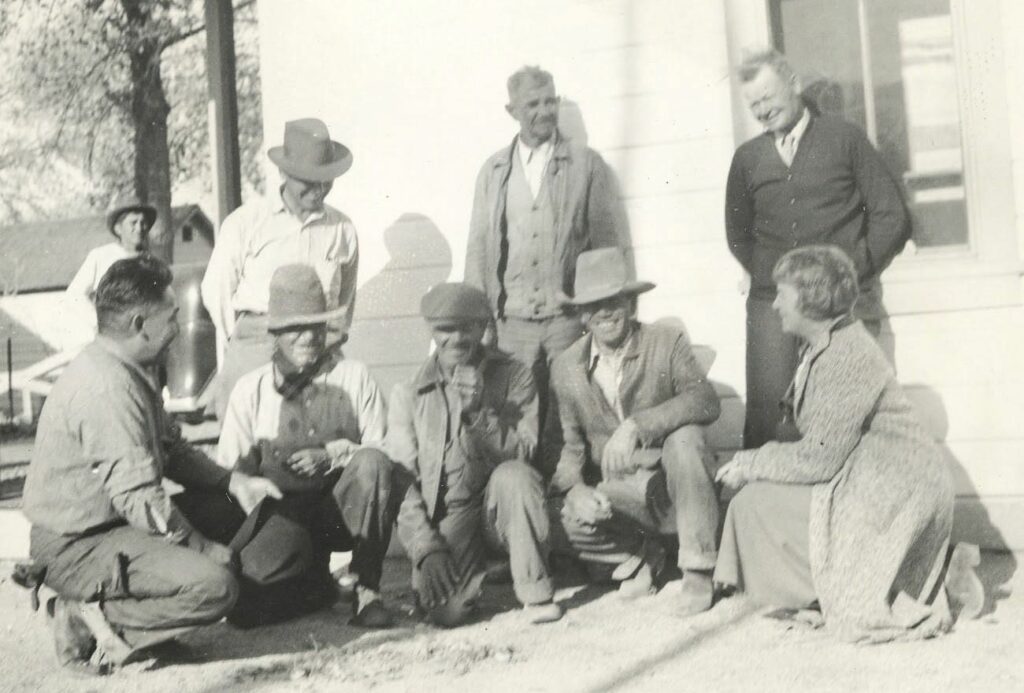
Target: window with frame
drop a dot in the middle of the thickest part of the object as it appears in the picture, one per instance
(889, 66)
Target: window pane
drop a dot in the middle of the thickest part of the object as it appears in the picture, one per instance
(902, 91)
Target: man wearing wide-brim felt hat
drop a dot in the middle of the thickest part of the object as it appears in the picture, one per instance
(633, 404)
(291, 224)
(465, 427)
(313, 422)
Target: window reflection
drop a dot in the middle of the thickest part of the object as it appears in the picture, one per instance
(889, 66)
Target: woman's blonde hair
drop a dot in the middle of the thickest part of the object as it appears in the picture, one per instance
(824, 277)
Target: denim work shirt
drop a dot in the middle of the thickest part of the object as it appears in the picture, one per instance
(103, 436)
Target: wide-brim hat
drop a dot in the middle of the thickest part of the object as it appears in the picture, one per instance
(309, 153)
(602, 274)
(297, 298)
(129, 203)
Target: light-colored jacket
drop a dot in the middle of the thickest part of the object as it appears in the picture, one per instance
(417, 438)
(882, 499)
(588, 214)
(662, 390)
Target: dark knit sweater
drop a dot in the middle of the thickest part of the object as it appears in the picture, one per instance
(838, 191)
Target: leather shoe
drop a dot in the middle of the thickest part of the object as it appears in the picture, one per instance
(373, 615)
(697, 591)
(72, 638)
(546, 612)
(963, 587)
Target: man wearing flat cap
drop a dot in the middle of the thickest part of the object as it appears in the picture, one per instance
(313, 422)
(465, 429)
(635, 464)
(291, 225)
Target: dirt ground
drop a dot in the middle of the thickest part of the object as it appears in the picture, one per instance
(602, 644)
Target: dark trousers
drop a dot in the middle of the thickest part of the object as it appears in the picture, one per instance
(772, 358)
(537, 343)
(354, 512)
(150, 590)
(677, 496)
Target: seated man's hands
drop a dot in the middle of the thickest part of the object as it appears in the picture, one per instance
(250, 490)
(438, 579)
(216, 552)
(469, 384)
(309, 462)
(617, 457)
(587, 505)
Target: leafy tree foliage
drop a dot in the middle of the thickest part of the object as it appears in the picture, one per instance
(102, 97)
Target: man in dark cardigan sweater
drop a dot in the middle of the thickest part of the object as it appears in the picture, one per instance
(808, 179)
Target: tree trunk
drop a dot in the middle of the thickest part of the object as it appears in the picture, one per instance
(149, 115)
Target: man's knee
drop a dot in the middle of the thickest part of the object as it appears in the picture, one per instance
(515, 479)
(686, 449)
(216, 592)
(369, 469)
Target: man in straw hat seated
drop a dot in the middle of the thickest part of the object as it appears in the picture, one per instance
(313, 422)
(465, 429)
(133, 566)
(291, 225)
(635, 465)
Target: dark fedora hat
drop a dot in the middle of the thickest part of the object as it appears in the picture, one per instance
(297, 298)
(129, 203)
(601, 274)
(309, 153)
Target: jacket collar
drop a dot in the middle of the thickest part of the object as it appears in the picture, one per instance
(429, 375)
(561, 151)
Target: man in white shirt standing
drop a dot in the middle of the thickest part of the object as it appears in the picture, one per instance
(292, 225)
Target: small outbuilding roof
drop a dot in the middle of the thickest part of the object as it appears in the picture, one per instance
(44, 255)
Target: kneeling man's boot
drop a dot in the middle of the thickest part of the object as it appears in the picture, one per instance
(72, 638)
(697, 591)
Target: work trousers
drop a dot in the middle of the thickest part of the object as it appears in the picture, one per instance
(677, 496)
(355, 511)
(510, 516)
(249, 347)
(536, 343)
(772, 358)
(152, 590)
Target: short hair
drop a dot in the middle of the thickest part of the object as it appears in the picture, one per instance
(133, 283)
(528, 74)
(765, 57)
(825, 279)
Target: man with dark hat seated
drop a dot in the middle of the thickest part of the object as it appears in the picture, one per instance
(633, 404)
(465, 428)
(313, 422)
(131, 565)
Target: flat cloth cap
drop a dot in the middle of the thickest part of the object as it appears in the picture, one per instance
(453, 302)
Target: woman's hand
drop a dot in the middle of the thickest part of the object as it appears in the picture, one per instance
(732, 475)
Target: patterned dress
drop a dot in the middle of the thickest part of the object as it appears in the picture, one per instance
(880, 503)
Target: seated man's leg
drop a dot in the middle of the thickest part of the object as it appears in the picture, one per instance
(363, 506)
(689, 473)
(688, 465)
(148, 589)
(517, 520)
(463, 533)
